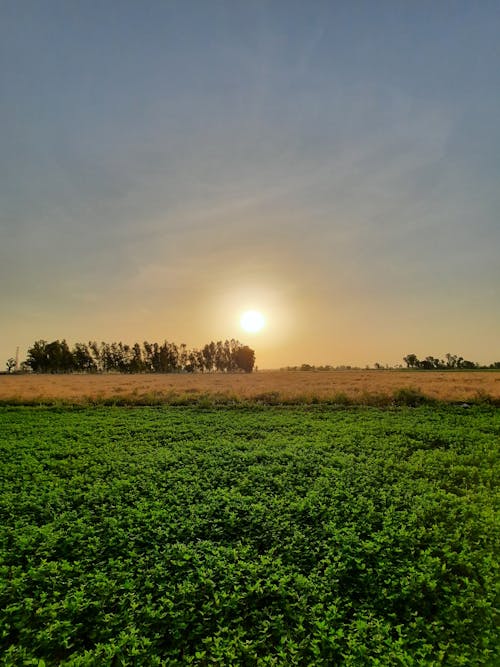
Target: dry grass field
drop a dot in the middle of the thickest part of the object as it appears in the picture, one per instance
(268, 386)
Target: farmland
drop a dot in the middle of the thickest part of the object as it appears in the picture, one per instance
(370, 387)
(249, 535)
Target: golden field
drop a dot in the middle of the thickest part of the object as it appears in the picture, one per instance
(273, 386)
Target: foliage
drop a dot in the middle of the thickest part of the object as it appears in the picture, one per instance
(56, 357)
(451, 361)
(10, 364)
(258, 536)
(411, 396)
(244, 358)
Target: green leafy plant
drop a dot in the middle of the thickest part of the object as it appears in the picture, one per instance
(247, 535)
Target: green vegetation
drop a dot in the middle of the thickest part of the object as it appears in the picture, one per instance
(249, 536)
(405, 396)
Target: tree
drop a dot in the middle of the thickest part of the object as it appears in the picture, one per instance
(244, 358)
(451, 360)
(219, 357)
(56, 357)
(95, 352)
(82, 358)
(431, 362)
(411, 360)
(427, 363)
(10, 363)
(136, 363)
(37, 357)
(209, 352)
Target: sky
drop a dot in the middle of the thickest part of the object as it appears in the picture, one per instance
(167, 165)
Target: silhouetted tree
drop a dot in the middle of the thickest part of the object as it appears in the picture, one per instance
(209, 352)
(219, 360)
(56, 357)
(82, 359)
(136, 362)
(451, 360)
(244, 358)
(95, 352)
(37, 357)
(434, 363)
(411, 360)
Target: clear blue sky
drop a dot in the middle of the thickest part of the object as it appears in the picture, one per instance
(166, 165)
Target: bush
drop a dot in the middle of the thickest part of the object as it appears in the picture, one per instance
(411, 397)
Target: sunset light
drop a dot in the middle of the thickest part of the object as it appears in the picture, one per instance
(249, 352)
(252, 321)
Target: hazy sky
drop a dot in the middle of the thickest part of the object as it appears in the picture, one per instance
(166, 165)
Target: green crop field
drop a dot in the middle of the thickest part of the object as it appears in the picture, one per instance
(249, 536)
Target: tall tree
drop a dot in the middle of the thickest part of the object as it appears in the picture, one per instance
(37, 357)
(82, 358)
(244, 358)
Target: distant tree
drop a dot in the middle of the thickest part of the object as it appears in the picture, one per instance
(451, 360)
(244, 358)
(229, 362)
(411, 361)
(434, 363)
(147, 357)
(37, 358)
(56, 357)
(59, 357)
(82, 359)
(11, 364)
(426, 363)
(183, 357)
(431, 362)
(200, 361)
(156, 358)
(95, 353)
(169, 357)
(209, 352)
(220, 363)
(194, 361)
(136, 362)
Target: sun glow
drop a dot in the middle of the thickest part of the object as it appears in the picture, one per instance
(252, 321)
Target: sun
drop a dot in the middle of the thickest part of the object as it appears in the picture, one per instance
(252, 321)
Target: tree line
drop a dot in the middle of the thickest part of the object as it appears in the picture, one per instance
(450, 361)
(411, 360)
(93, 357)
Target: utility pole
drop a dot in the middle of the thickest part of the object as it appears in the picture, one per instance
(17, 358)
